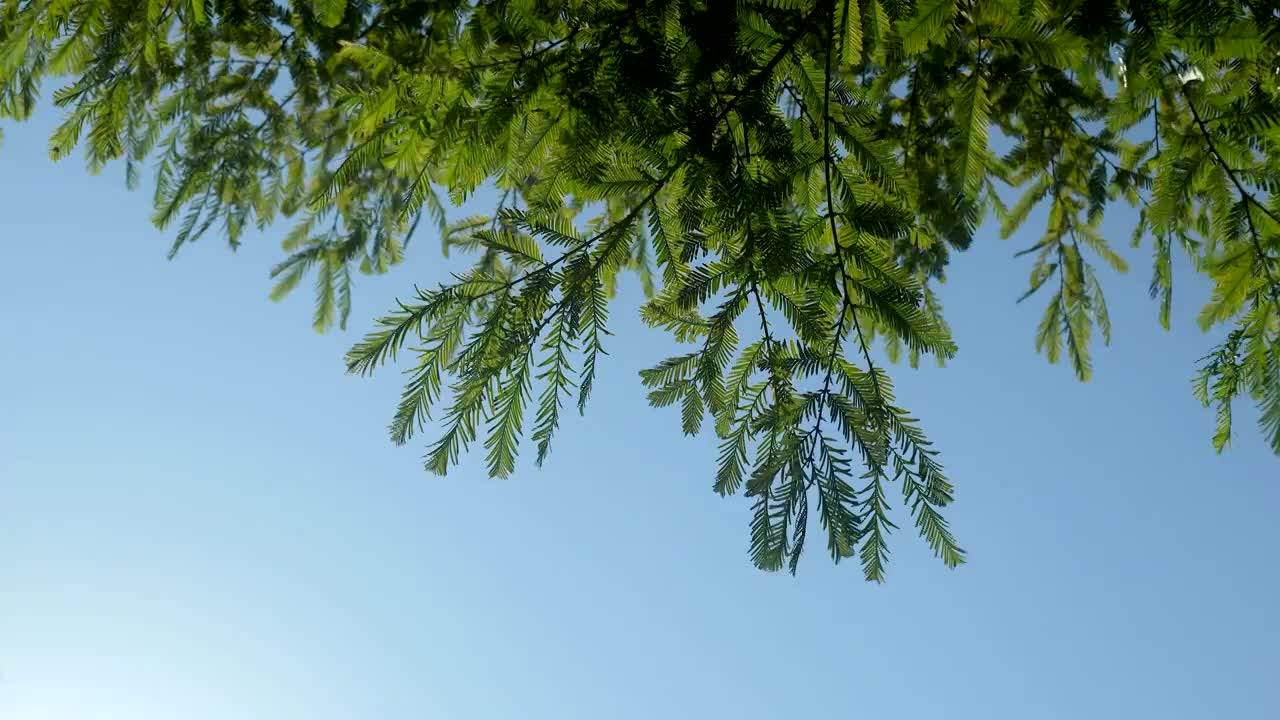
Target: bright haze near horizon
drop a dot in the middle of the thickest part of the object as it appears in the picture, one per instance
(202, 517)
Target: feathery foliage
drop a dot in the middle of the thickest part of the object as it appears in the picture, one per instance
(787, 177)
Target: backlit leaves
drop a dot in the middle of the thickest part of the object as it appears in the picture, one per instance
(787, 179)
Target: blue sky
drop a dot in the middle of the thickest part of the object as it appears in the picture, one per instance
(201, 517)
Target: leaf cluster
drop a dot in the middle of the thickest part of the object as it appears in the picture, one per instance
(788, 178)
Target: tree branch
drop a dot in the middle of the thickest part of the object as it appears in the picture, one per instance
(1246, 197)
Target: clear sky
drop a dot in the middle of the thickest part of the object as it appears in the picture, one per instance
(202, 518)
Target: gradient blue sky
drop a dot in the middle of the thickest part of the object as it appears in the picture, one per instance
(201, 518)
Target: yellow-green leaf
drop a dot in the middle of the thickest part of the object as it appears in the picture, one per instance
(329, 12)
(851, 37)
(927, 26)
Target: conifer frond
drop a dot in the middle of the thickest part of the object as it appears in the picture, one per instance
(928, 26)
(1268, 392)
(971, 135)
(788, 179)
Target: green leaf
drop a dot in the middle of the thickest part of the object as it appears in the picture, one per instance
(851, 34)
(1098, 303)
(928, 26)
(1040, 273)
(329, 12)
(878, 28)
(1048, 339)
(971, 135)
(1269, 397)
(508, 420)
(691, 410)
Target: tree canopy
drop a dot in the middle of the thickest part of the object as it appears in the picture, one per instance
(788, 179)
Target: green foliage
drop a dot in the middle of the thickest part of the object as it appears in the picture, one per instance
(787, 178)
